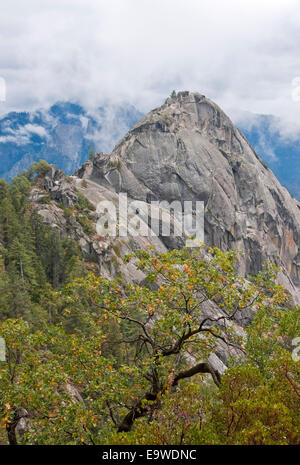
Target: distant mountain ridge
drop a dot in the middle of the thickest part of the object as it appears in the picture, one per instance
(281, 153)
(61, 134)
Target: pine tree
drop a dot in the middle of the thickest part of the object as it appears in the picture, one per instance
(91, 153)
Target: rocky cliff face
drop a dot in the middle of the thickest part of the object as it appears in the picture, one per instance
(59, 200)
(188, 149)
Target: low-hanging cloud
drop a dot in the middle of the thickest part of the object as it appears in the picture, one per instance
(23, 134)
(243, 54)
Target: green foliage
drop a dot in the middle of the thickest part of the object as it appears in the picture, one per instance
(248, 409)
(35, 383)
(86, 224)
(46, 200)
(97, 361)
(260, 408)
(68, 212)
(38, 169)
(91, 153)
(33, 256)
(84, 203)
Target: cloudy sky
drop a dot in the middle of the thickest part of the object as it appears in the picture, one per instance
(242, 54)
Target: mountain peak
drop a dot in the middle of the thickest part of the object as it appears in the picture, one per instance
(185, 95)
(191, 111)
(188, 149)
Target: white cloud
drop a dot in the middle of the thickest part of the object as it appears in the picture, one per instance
(2, 89)
(252, 121)
(84, 122)
(17, 139)
(35, 129)
(266, 149)
(22, 135)
(243, 54)
(111, 126)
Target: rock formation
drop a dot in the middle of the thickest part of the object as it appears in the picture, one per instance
(188, 149)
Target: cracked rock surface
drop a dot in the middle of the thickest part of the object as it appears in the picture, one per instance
(188, 149)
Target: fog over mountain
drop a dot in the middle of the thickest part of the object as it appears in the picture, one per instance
(62, 134)
(243, 55)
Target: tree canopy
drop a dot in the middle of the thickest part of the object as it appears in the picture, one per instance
(129, 364)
